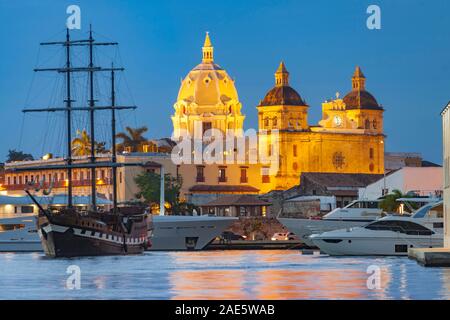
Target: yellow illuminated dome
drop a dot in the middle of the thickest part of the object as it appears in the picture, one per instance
(208, 95)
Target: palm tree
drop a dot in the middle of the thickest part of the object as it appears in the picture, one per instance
(81, 146)
(390, 203)
(132, 139)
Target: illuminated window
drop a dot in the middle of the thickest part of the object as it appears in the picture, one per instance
(265, 175)
(222, 174)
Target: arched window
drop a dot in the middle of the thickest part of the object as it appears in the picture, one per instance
(274, 122)
(367, 124)
(374, 123)
(266, 122)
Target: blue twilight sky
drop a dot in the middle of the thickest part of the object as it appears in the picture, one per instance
(406, 63)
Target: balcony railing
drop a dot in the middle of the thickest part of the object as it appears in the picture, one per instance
(222, 179)
(58, 184)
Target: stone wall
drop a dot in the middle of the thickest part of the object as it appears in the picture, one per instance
(257, 228)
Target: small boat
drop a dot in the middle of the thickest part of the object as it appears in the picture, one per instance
(18, 233)
(390, 235)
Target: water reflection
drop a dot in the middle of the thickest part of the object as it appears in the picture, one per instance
(220, 275)
(273, 275)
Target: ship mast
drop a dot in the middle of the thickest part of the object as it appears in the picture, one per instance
(91, 112)
(68, 70)
(113, 137)
(69, 124)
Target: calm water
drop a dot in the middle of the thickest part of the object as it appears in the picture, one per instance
(219, 275)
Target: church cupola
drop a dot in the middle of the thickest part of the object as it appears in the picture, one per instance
(358, 80)
(359, 97)
(208, 50)
(281, 76)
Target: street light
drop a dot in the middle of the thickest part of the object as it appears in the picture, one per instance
(384, 190)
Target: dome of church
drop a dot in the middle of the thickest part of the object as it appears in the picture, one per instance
(282, 93)
(359, 97)
(207, 84)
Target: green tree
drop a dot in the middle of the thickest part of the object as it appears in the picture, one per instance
(390, 203)
(132, 139)
(14, 155)
(81, 145)
(149, 189)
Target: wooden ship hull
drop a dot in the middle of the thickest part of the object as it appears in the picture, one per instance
(72, 235)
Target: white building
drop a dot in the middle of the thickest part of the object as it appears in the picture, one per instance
(440, 257)
(446, 176)
(424, 181)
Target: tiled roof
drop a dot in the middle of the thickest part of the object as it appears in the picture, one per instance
(345, 180)
(224, 188)
(361, 99)
(282, 95)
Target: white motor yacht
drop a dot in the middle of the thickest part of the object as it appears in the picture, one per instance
(391, 235)
(187, 232)
(18, 233)
(357, 213)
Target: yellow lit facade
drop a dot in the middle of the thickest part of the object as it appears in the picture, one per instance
(348, 139)
(208, 97)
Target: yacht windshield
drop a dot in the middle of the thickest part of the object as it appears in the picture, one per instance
(406, 227)
(363, 205)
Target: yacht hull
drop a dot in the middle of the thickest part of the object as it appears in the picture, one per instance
(178, 233)
(303, 228)
(21, 246)
(22, 237)
(386, 246)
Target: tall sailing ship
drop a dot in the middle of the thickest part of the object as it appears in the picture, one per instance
(70, 232)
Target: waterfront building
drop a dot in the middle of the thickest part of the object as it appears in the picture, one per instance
(421, 181)
(446, 170)
(55, 181)
(349, 138)
(440, 257)
(236, 206)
